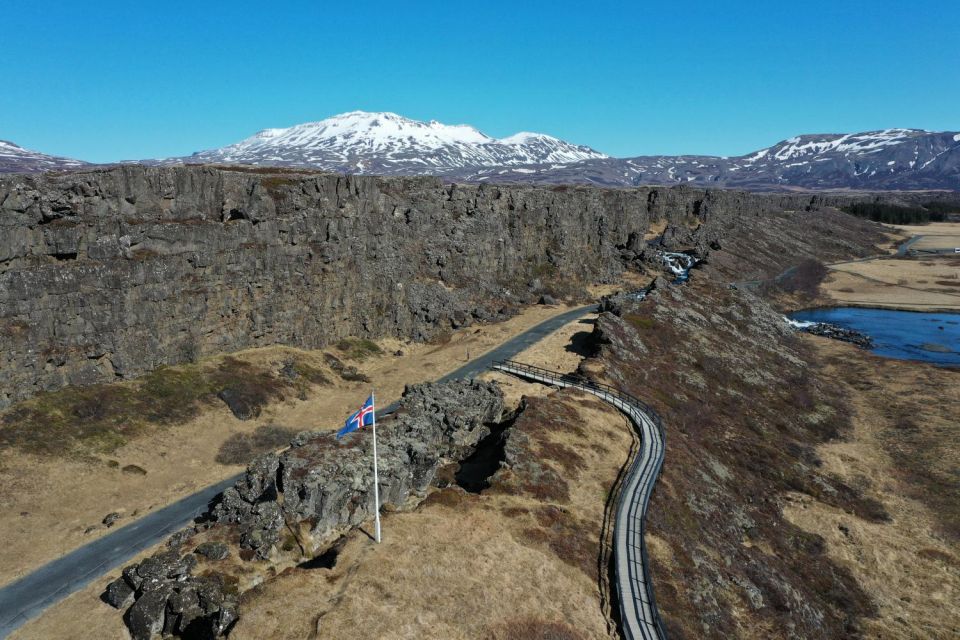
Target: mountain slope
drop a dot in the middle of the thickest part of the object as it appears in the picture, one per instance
(887, 159)
(16, 159)
(360, 142)
(385, 143)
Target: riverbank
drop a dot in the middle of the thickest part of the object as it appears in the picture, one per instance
(911, 281)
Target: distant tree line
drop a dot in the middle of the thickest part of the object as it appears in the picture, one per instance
(899, 214)
(942, 207)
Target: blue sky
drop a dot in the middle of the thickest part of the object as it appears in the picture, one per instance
(110, 80)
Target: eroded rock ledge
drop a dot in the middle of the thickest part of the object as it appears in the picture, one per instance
(109, 274)
(312, 493)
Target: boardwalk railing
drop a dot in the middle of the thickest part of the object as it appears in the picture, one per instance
(639, 616)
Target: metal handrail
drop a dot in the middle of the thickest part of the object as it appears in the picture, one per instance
(578, 381)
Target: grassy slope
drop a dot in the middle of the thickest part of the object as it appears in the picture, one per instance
(743, 413)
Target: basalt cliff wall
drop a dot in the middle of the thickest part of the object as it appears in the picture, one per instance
(107, 274)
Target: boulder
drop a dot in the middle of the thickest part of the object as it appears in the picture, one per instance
(119, 594)
(213, 550)
(239, 406)
(146, 617)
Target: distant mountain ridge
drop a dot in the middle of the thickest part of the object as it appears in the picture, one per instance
(889, 159)
(384, 143)
(16, 159)
(389, 144)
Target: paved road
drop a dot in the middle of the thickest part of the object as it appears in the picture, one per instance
(905, 247)
(30, 595)
(639, 617)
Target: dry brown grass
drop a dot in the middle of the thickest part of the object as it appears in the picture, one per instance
(241, 448)
(742, 411)
(98, 419)
(922, 285)
(492, 565)
(905, 451)
(51, 505)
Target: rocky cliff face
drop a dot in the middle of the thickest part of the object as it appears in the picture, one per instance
(108, 274)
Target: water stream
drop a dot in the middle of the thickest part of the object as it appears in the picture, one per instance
(905, 335)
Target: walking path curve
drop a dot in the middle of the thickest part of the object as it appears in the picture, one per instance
(639, 617)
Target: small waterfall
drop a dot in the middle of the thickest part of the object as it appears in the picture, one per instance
(679, 264)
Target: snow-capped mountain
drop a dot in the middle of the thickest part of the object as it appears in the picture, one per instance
(16, 159)
(389, 144)
(887, 159)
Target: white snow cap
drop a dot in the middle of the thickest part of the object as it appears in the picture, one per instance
(391, 136)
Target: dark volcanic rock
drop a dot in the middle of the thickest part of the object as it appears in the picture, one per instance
(168, 600)
(112, 273)
(328, 483)
(146, 617)
(213, 550)
(119, 594)
(828, 330)
(239, 406)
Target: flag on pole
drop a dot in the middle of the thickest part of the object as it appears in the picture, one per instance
(367, 415)
(362, 418)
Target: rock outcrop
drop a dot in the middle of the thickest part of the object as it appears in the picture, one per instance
(744, 410)
(165, 599)
(109, 274)
(835, 332)
(315, 491)
(328, 484)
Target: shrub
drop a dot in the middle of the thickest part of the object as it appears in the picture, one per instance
(77, 421)
(358, 348)
(805, 278)
(240, 448)
(640, 323)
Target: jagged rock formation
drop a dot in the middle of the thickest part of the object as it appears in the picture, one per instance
(316, 490)
(329, 484)
(108, 274)
(835, 332)
(165, 599)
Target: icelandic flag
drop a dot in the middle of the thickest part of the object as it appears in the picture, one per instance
(361, 418)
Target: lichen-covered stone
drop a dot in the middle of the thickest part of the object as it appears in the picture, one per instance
(213, 550)
(119, 594)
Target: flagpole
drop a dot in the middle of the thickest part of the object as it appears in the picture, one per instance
(376, 477)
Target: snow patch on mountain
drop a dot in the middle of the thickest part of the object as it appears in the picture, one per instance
(16, 159)
(365, 142)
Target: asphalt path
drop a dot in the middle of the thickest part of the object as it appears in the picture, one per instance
(28, 596)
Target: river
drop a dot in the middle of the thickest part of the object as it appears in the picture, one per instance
(906, 335)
